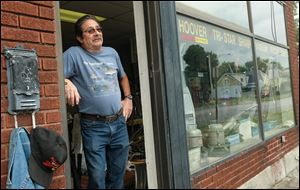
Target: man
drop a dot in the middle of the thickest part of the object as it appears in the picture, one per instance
(92, 76)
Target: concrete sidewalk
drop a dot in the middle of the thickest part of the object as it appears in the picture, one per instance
(291, 181)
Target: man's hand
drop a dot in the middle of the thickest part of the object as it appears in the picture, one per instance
(71, 93)
(127, 108)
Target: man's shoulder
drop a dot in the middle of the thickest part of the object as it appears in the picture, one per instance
(109, 49)
(73, 49)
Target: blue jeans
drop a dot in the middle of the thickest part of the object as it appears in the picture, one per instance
(105, 147)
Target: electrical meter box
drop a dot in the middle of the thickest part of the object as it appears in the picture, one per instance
(22, 80)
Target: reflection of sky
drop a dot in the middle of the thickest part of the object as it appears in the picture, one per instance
(280, 27)
(273, 53)
(227, 10)
(261, 11)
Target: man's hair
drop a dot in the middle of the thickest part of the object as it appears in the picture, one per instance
(80, 22)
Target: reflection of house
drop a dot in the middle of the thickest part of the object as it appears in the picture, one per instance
(263, 81)
(274, 77)
(285, 81)
(230, 85)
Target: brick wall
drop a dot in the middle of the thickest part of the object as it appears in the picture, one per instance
(293, 53)
(32, 25)
(236, 171)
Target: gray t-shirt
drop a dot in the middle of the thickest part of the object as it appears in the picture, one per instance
(96, 78)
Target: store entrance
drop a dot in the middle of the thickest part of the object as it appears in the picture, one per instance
(118, 33)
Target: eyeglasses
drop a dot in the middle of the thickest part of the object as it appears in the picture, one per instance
(93, 30)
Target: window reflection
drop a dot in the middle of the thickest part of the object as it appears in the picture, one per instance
(268, 20)
(219, 91)
(275, 88)
(227, 10)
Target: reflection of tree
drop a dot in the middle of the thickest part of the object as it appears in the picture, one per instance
(264, 64)
(230, 67)
(249, 66)
(196, 60)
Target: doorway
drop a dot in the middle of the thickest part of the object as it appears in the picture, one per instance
(119, 33)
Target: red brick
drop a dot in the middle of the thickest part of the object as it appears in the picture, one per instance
(40, 118)
(3, 181)
(49, 64)
(55, 127)
(51, 90)
(4, 106)
(23, 119)
(3, 120)
(45, 3)
(49, 103)
(42, 91)
(217, 176)
(46, 12)
(220, 182)
(4, 152)
(19, 7)
(48, 38)
(59, 171)
(42, 50)
(225, 185)
(221, 166)
(7, 44)
(5, 135)
(19, 34)
(48, 77)
(206, 182)
(9, 19)
(4, 91)
(4, 166)
(212, 186)
(37, 23)
(3, 77)
(211, 171)
(53, 117)
(58, 182)
(234, 179)
(3, 62)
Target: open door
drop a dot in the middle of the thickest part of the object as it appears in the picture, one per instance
(117, 20)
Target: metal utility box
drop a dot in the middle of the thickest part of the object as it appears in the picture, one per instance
(22, 80)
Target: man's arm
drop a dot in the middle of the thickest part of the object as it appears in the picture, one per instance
(127, 102)
(71, 93)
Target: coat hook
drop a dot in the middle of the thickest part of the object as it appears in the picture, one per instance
(16, 122)
(33, 119)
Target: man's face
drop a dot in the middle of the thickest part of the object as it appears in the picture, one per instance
(92, 37)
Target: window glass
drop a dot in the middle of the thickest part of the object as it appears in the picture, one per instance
(227, 10)
(275, 88)
(280, 23)
(268, 20)
(219, 91)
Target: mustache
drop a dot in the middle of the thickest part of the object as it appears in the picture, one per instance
(100, 38)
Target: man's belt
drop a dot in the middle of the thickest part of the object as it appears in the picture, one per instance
(109, 118)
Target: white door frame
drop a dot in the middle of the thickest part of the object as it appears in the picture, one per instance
(145, 93)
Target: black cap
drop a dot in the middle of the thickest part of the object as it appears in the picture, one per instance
(48, 153)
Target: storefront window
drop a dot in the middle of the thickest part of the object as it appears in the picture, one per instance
(275, 88)
(227, 10)
(268, 20)
(219, 91)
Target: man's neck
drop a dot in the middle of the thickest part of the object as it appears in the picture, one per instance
(92, 50)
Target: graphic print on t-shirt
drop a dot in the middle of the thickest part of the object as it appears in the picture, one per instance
(104, 78)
